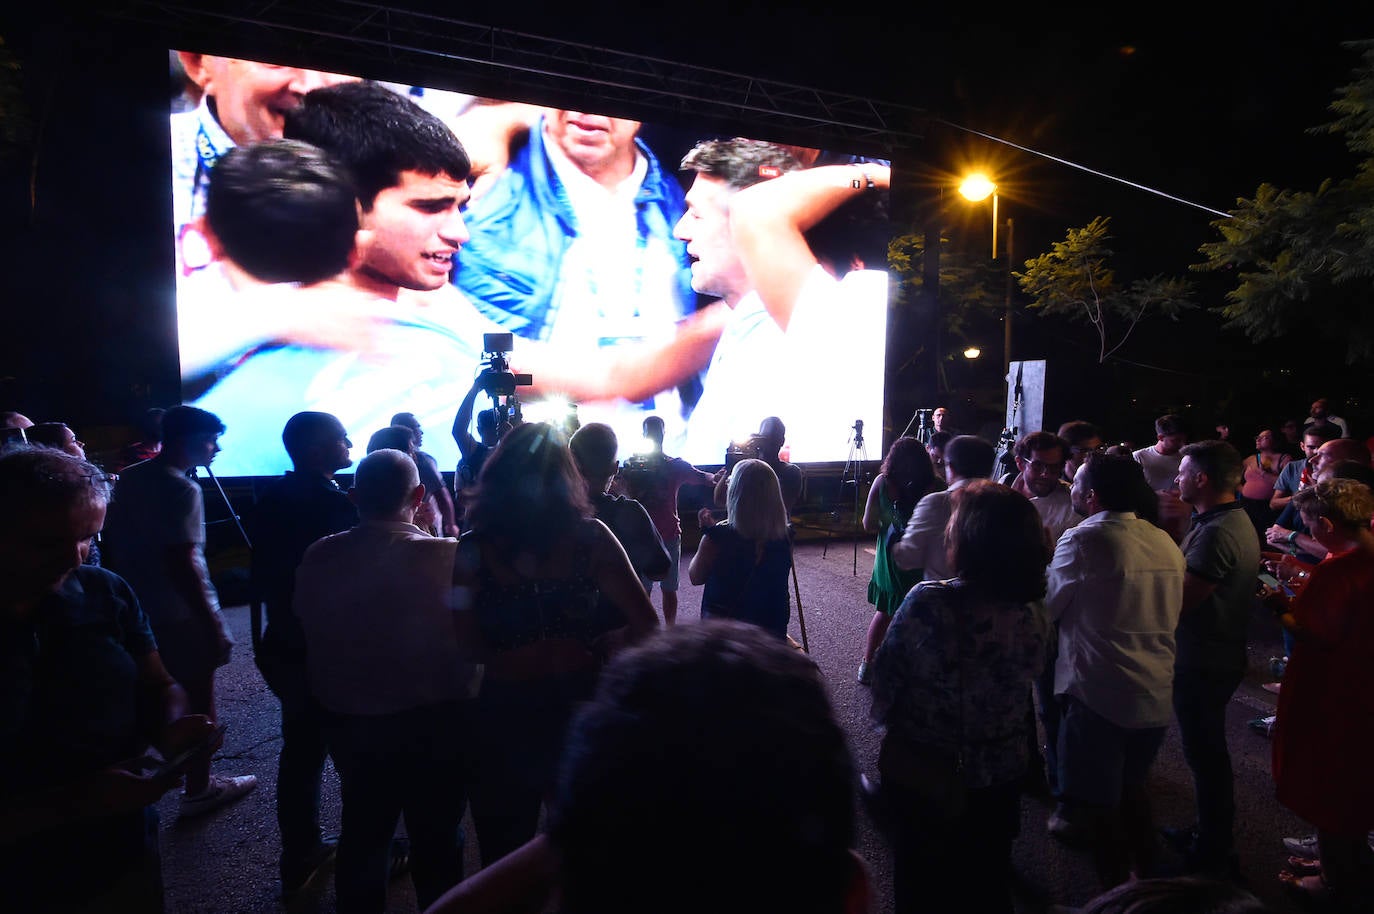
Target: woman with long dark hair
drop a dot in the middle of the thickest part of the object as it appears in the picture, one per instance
(536, 563)
(906, 475)
(950, 686)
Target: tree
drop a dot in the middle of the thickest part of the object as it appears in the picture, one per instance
(1292, 253)
(1075, 280)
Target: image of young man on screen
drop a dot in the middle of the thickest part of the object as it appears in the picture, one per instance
(415, 350)
(749, 210)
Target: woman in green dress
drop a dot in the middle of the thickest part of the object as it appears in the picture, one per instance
(906, 475)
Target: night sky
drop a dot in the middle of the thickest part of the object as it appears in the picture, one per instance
(1201, 111)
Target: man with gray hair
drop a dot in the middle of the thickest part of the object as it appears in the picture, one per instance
(384, 658)
(1223, 558)
(84, 693)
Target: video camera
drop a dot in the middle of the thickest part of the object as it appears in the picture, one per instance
(743, 450)
(496, 378)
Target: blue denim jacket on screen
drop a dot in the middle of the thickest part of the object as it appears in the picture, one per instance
(523, 226)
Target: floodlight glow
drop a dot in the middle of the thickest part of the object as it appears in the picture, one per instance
(977, 187)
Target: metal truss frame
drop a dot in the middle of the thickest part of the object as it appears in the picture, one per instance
(387, 41)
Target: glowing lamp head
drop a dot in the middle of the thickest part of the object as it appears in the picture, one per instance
(977, 187)
(972, 352)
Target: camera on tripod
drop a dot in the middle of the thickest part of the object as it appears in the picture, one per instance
(1006, 452)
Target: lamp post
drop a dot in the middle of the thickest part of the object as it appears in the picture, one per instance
(977, 188)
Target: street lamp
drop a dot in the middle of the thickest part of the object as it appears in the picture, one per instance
(977, 187)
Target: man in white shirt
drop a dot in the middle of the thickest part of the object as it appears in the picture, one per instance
(376, 605)
(1321, 412)
(1116, 590)
(1161, 459)
(1040, 459)
(1160, 462)
(156, 541)
(811, 246)
(922, 545)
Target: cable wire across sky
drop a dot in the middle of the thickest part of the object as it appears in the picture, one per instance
(1084, 168)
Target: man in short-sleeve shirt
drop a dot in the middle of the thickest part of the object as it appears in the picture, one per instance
(1223, 557)
(654, 481)
(156, 532)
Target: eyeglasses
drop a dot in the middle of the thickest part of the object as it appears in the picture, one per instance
(1079, 450)
(1045, 469)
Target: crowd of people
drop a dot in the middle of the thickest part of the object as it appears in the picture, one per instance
(1151, 562)
(482, 655)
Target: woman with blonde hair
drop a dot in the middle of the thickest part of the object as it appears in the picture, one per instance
(743, 561)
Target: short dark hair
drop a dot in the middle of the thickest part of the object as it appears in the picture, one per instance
(1040, 441)
(593, 447)
(48, 434)
(407, 419)
(1077, 431)
(182, 422)
(396, 437)
(283, 210)
(740, 163)
(377, 134)
(938, 440)
(488, 419)
(1117, 481)
(970, 457)
(653, 428)
(714, 734)
(1326, 431)
(1219, 460)
(305, 429)
(1170, 424)
(998, 542)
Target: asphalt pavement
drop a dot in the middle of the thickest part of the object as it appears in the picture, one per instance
(227, 861)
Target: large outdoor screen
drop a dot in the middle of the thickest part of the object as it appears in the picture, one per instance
(639, 270)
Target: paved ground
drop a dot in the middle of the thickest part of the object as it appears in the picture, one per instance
(227, 861)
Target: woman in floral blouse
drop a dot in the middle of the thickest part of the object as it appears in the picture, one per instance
(950, 686)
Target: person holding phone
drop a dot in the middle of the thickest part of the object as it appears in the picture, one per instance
(78, 821)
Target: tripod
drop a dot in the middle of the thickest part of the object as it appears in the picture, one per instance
(854, 463)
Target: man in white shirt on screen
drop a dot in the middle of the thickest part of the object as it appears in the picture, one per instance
(796, 307)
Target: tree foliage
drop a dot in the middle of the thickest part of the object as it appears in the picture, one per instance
(1075, 280)
(968, 289)
(1296, 256)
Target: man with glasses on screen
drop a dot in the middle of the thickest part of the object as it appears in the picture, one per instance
(242, 102)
